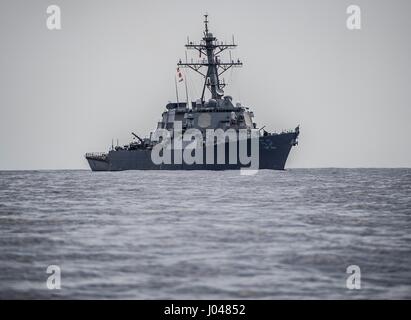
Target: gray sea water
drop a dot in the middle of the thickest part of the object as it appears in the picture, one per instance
(206, 235)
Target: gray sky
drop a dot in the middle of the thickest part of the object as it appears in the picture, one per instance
(110, 71)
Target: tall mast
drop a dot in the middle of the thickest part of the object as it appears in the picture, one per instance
(210, 48)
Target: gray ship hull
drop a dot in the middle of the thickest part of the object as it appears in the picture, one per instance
(273, 154)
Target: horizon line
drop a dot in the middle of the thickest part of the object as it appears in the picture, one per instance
(291, 168)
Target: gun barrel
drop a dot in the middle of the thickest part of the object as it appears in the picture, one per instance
(141, 140)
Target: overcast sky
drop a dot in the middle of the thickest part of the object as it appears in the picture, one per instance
(111, 68)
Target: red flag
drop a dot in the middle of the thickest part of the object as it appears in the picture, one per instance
(180, 76)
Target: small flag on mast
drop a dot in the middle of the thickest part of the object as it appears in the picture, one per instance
(179, 75)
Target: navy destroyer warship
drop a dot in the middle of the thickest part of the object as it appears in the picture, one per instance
(217, 113)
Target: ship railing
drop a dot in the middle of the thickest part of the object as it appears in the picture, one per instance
(275, 133)
(96, 155)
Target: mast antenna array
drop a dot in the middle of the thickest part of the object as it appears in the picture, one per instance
(210, 48)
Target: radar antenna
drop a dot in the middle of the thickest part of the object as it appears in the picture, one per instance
(210, 48)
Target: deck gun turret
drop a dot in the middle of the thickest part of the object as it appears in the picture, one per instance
(141, 140)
